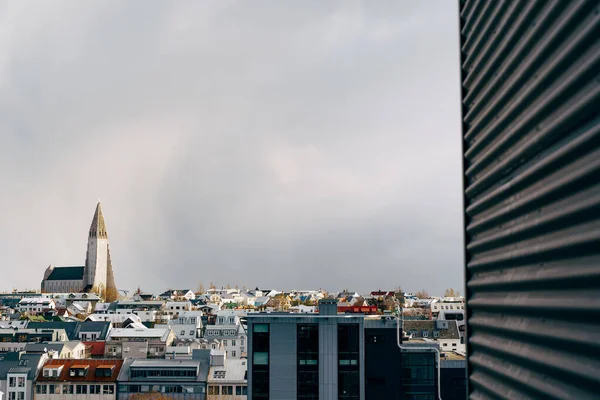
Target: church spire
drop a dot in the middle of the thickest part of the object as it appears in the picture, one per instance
(98, 228)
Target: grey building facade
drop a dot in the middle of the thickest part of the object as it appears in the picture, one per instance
(531, 163)
(304, 356)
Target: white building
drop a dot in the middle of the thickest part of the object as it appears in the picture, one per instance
(229, 331)
(173, 308)
(35, 305)
(226, 377)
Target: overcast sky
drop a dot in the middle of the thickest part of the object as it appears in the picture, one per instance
(284, 144)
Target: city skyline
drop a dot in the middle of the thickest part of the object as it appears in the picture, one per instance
(254, 145)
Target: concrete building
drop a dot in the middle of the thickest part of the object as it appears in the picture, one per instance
(301, 356)
(227, 378)
(78, 380)
(17, 374)
(228, 331)
(97, 274)
(138, 342)
(169, 379)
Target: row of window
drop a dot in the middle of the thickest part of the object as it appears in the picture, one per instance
(451, 307)
(145, 373)
(16, 395)
(74, 389)
(16, 381)
(225, 332)
(228, 390)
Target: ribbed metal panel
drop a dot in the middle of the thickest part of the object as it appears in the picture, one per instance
(531, 147)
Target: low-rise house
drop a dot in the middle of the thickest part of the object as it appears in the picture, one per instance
(173, 308)
(36, 305)
(177, 294)
(78, 379)
(187, 326)
(227, 378)
(28, 335)
(446, 307)
(138, 342)
(446, 333)
(58, 350)
(171, 379)
(70, 328)
(17, 374)
(117, 320)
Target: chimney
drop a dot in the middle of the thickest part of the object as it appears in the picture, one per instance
(328, 307)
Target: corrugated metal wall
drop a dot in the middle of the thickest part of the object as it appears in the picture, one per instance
(531, 112)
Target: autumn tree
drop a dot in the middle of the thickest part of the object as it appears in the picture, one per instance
(359, 302)
(212, 286)
(451, 293)
(422, 294)
(201, 288)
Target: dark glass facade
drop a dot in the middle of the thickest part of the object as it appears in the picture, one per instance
(308, 361)
(348, 362)
(419, 376)
(260, 361)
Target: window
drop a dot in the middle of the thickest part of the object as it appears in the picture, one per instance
(242, 341)
(233, 353)
(41, 389)
(307, 351)
(260, 361)
(53, 389)
(241, 390)
(348, 369)
(104, 371)
(227, 390)
(67, 389)
(20, 396)
(182, 333)
(191, 333)
(12, 382)
(453, 344)
(225, 342)
(12, 396)
(219, 374)
(445, 344)
(213, 390)
(81, 389)
(108, 389)
(233, 342)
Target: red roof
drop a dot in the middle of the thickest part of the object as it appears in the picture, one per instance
(90, 375)
(96, 348)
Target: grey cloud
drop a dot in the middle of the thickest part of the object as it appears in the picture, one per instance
(289, 144)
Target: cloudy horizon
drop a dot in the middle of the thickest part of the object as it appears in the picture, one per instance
(275, 144)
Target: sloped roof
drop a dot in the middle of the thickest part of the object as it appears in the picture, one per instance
(429, 326)
(90, 375)
(66, 274)
(95, 326)
(71, 328)
(98, 227)
(17, 360)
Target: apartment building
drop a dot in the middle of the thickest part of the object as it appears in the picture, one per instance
(78, 380)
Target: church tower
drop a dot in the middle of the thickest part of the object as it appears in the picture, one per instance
(98, 274)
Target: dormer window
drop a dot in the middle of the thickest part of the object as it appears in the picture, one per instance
(436, 334)
(425, 333)
(78, 370)
(104, 371)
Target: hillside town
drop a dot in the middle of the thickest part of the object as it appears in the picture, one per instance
(76, 344)
(80, 337)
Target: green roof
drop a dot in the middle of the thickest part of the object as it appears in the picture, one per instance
(66, 274)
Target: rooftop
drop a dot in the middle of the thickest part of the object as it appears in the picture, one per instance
(66, 274)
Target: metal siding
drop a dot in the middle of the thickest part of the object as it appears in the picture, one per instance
(531, 147)
(328, 359)
(282, 362)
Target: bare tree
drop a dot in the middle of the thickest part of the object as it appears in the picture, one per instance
(451, 293)
(422, 294)
(201, 288)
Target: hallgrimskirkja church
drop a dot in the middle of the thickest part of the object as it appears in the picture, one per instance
(95, 276)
